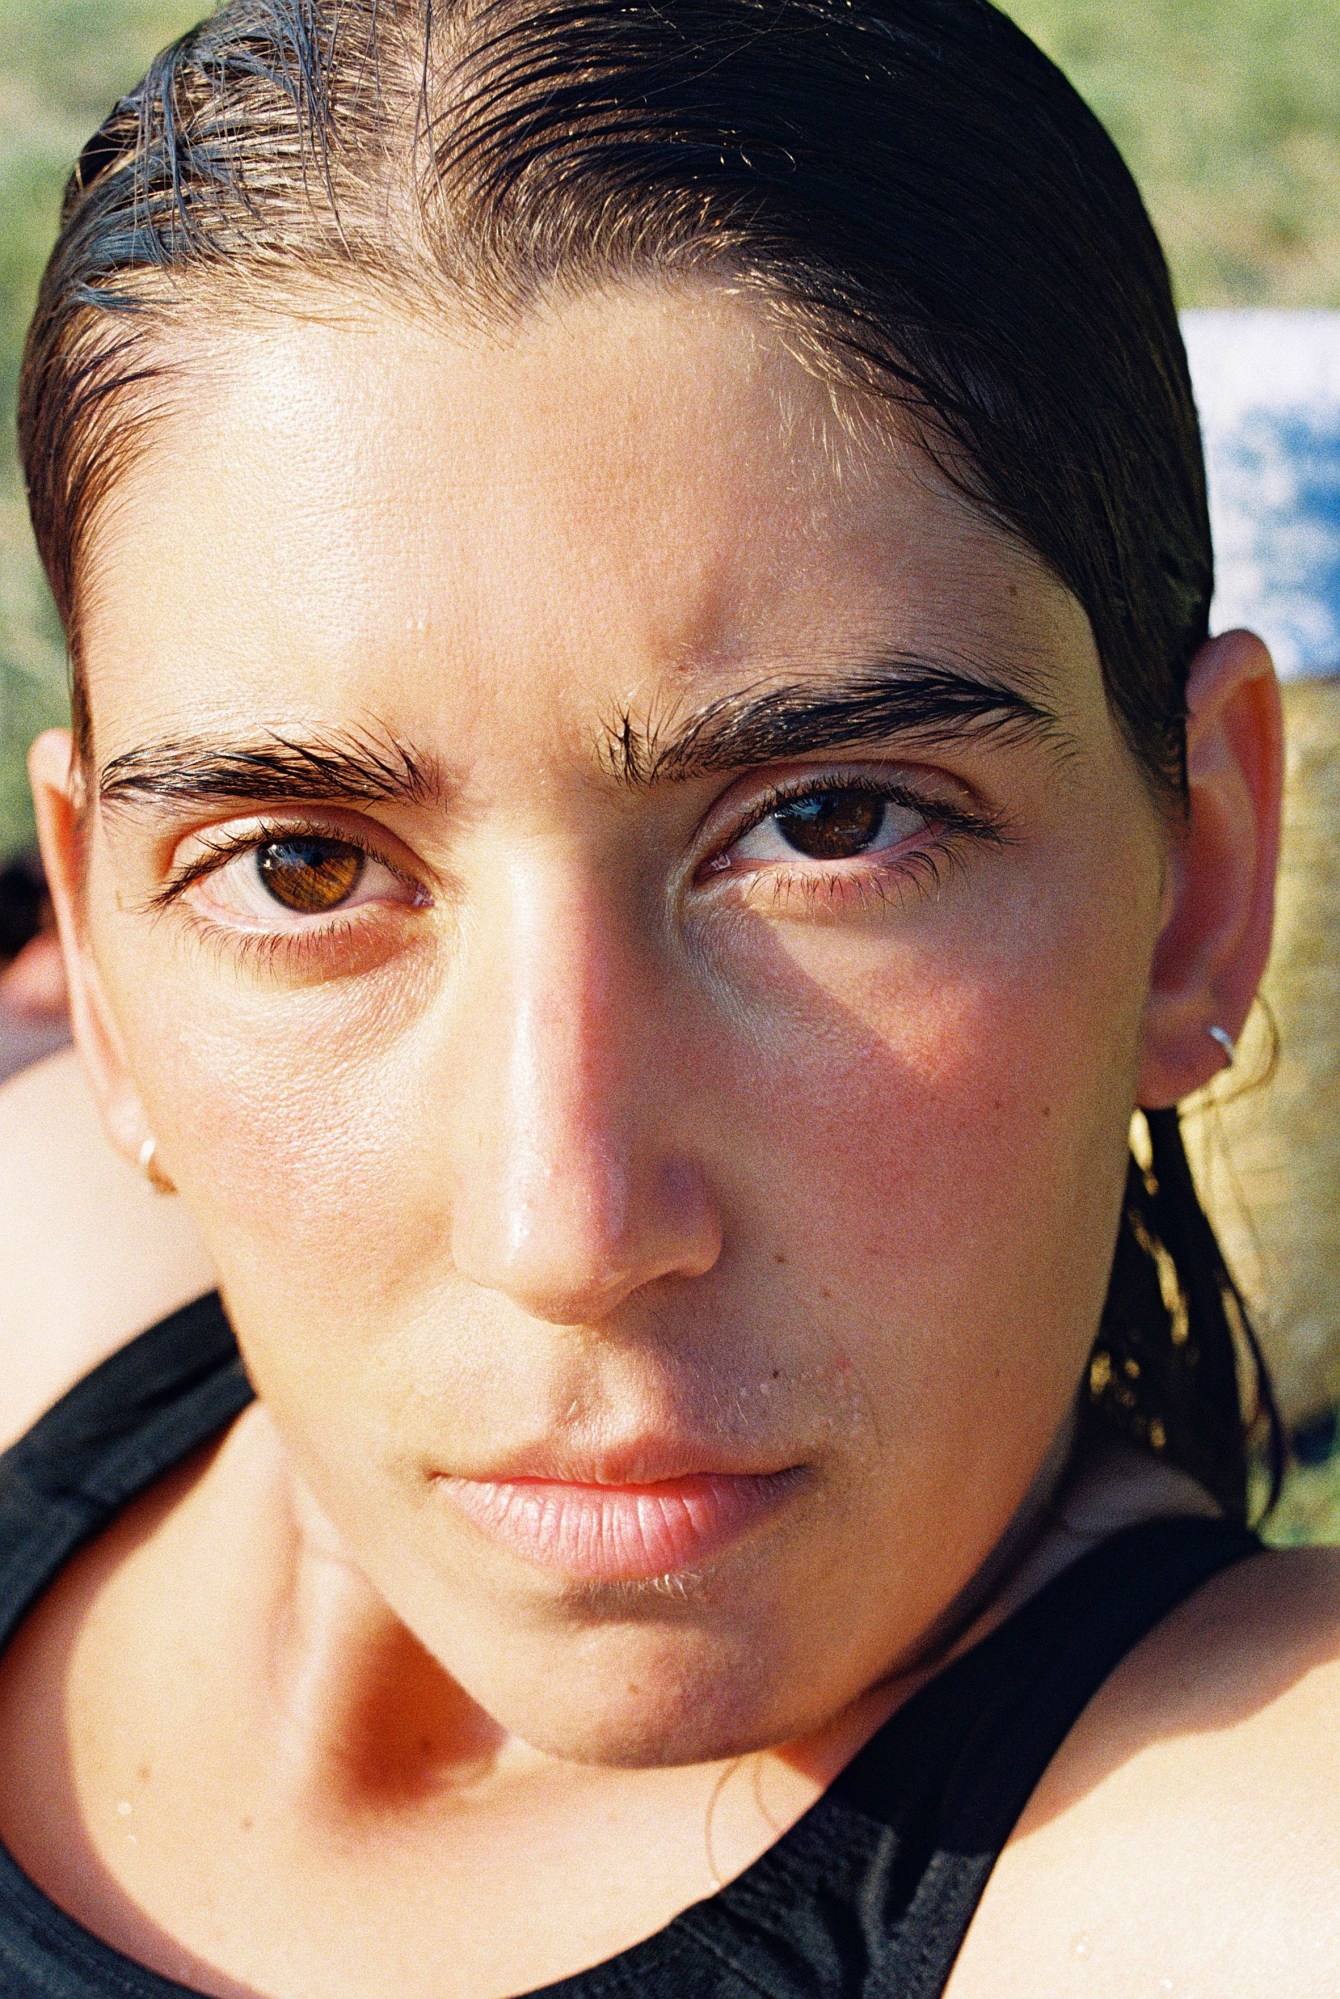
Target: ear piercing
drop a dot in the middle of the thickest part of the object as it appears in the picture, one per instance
(152, 1171)
(1226, 1042)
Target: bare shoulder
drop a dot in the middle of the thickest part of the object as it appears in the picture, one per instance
(1186, 1839)
(89, 1256)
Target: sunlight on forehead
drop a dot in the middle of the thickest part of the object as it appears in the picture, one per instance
(635, 498)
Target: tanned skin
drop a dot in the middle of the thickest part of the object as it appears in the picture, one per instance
(598, 1122)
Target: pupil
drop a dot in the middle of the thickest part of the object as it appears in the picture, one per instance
(833, 826)
(311, 876)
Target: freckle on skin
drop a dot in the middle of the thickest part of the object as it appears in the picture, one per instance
(824, 1291)
(779, 1256)
(143, 1773)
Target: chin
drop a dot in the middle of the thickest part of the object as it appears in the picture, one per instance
(635, 1686)
(654, 1732)
(683, 1698)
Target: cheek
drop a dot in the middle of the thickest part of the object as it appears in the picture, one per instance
(304, 1132)
(286, 1115)
(943, 1121)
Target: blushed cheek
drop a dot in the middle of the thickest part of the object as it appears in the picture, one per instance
(307, 1148)
(290, 1120)
(944, 1138)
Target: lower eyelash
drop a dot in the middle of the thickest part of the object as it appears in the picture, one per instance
(267, 947)
(830, 890)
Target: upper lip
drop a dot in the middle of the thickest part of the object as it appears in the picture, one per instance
(637, 1462)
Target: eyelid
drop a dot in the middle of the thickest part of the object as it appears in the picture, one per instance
(919, 787)
(228, 842)
(822, 786)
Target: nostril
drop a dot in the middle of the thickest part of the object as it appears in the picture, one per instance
(576, 1305)
(571, 1255)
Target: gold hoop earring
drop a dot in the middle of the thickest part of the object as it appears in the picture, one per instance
(152, 1171)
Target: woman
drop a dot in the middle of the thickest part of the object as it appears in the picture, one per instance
(650, 792)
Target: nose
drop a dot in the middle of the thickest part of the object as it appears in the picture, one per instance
(576, 1187)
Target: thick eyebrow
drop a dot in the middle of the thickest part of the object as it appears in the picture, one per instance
(351, 767)
(901, 697)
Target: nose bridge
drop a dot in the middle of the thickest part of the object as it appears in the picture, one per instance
(561, 1122)
(572, 1194)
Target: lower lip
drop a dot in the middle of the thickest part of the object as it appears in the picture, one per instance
(620, 1533)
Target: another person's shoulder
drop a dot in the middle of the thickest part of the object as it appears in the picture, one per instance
(1187, 1836)
(89, 1256)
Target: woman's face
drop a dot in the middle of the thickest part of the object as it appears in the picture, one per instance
(630, 920)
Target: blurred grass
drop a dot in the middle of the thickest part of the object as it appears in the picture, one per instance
(1229, 113)
(1309, 1507)
(62, 65)
(1265, 1139)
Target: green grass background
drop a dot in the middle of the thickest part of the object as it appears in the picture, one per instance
(1228, 111)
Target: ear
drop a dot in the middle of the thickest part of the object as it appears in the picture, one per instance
(58, 788)
(1219, 896)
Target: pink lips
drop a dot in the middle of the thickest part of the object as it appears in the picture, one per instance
(619, 1533)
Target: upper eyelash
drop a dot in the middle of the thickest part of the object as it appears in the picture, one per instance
(265, 834)
(954, 818)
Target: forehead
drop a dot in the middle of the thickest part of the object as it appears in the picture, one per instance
(623, 495)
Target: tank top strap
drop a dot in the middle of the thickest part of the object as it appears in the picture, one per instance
(137, 1416)
(950, 1774)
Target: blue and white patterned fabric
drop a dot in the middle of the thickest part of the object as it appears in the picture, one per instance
(1268, 388)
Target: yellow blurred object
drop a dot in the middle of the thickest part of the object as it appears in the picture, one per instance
(1266, 1147)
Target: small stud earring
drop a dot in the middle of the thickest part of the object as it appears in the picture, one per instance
(1226, 1042)
(152, 1171)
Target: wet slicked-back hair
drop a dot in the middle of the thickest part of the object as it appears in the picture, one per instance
(909, 188)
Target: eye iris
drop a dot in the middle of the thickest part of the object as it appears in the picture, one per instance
(834, 826)
(310, 876)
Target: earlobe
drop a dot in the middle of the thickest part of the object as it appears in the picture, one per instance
(57, 785)
(1220, 896)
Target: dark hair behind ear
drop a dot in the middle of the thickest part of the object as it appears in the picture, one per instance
(1177, 1367)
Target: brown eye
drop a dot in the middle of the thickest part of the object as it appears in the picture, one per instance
(310, 876)
(833, 825)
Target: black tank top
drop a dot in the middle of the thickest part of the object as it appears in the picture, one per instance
(868, 1896)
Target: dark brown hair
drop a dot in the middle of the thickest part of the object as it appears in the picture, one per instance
(910, 186)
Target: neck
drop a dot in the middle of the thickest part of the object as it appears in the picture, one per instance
(369, 1719)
